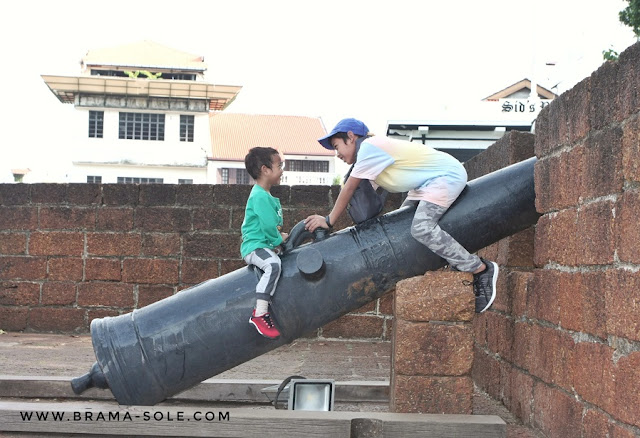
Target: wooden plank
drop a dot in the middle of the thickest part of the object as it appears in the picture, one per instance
(211, 390)
(112, 419)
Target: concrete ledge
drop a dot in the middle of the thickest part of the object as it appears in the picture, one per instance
(112, 419)
(211, 390)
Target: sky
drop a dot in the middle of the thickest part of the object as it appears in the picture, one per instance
(376, 61)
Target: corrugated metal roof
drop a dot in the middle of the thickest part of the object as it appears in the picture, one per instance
(146, 54)
(232, 135)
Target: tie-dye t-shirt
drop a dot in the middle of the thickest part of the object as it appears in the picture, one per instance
(404, 166)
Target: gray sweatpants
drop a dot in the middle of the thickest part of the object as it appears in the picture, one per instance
(270, 264)
(425, 229)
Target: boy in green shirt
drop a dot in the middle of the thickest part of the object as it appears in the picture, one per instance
(261, 232)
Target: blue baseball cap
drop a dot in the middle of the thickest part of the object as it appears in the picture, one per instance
(344, 125)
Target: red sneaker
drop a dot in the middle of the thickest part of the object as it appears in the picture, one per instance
(264, 325)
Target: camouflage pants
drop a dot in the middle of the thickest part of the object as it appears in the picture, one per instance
(425, 229)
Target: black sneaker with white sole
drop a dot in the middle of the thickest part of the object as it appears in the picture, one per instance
(484, 286)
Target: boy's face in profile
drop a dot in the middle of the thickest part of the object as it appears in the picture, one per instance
(277, 169)
(345, 150)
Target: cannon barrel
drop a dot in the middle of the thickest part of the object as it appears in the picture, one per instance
(164, 348)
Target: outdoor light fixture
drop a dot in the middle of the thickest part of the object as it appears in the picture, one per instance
(311, 394)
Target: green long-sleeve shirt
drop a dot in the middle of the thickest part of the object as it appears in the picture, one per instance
(262, 221)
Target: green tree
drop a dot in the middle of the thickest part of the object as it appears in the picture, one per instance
(630, 16)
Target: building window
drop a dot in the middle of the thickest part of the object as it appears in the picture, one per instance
(96, 123)
(94, 179)
(186, 128)
(234, 176)
(136, 180)
(185, 181)
(242, 176)
(141, 126)
(307, 166)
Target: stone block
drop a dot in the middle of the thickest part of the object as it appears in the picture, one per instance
(578, 101)
(195, 271)
(519, 395)
(67, 218)
(593, 374)
(64, 269)
(45, 193)
(627, 397)
(550, 352)
(14, 318)
(622, 298)
(627, 227)
(436, 395)
(56, 319)
(157, 194)
(517, 250)
(231, 195)
(212, 219)
(422, 348)
(211, 245)
(556, 238)
(500, 335)
(629, 81)
(84, 194)
(200, 195)
(106, 269)
(114, 244)
(114, 219)
(23, 268)
(105, 294)
(555, 412)
(150, 271)
(57, 243)
(163, 219)
(120, 194)
(311, 196)
(15, 194)
(631, 150)
(559, 180)
(161, 244)
(595, 241)
(603, 163)
(148, 294)
(13, 243)
(436, 296)
(19, 293)
(18, 218)
(355, 326)
(605, 106)
(57, 293)
(582, 302)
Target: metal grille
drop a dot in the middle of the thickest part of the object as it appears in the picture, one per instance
(186, 128)
(96, 123)
(141, 126)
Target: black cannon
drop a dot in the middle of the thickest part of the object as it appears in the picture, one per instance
(155, 352)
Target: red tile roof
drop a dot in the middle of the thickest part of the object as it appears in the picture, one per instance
(232, 135)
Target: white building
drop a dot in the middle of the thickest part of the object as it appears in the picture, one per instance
(477, 127)
(142, 115)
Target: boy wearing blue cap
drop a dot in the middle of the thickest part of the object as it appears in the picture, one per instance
(433, 180)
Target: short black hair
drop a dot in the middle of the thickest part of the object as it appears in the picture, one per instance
(258, 157)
